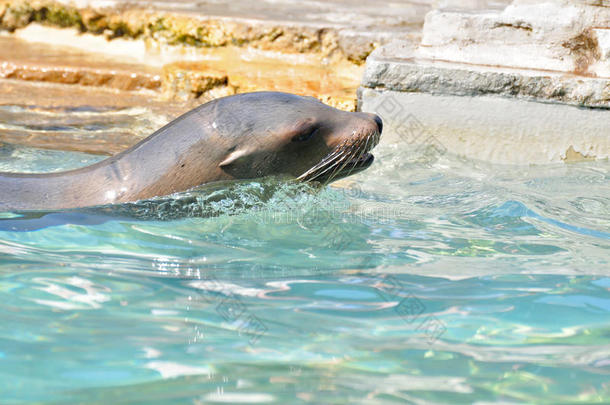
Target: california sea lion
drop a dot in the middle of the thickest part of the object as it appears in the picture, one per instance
(238, 137)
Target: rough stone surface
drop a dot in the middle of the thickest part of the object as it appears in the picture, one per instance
(323, 43)
(555, 35)
(528, 83)
(173, 73)
(489, 128)
(338, 28)
(402, 72)
(551, 50)
(39, 63)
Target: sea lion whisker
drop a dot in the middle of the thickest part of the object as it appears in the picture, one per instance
(307, 176)
(338, 169)
(330, 158)
(361, 147)
(314, 175)
(333, 163)
(362, 152)
(326, 163)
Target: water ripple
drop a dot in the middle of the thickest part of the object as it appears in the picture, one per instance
(445, 282)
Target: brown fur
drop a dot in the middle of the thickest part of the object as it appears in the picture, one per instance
(244, 136)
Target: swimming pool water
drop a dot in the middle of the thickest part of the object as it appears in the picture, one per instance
(417, 281)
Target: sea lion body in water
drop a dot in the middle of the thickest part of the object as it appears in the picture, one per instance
(237, 137)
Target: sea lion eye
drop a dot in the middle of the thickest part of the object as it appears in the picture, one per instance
(305, 135)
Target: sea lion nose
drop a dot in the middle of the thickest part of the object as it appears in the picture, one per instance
(379, 122)
(375, 118)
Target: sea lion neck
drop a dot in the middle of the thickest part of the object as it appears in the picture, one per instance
(176, 157)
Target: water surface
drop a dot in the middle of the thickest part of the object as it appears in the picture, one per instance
(425, 279)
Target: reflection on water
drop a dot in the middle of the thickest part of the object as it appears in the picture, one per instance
(448, 281)
(80, 129)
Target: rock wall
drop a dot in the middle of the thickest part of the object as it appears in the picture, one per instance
(207, 48)
(534, 58)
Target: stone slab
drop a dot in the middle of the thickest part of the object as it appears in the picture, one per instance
(37, 62)
(525, 84)
(560, 35)
(396, 67)
(490, 128)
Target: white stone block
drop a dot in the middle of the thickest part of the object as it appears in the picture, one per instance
(491, 129)
(548, 35)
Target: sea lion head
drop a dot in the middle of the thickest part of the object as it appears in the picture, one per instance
(269, 133)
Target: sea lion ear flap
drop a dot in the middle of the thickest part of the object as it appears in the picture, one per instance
(233, 157)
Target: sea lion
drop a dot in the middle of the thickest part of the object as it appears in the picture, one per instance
(244, 136)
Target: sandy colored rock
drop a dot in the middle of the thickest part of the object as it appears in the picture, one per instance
(82, 76)
(188, 80)
(33, 62)
(339, 29)
(310, 47)
(212, 72)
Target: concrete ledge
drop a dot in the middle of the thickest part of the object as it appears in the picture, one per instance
(491, 128)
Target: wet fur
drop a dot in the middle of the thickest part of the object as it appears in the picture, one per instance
(245, 136)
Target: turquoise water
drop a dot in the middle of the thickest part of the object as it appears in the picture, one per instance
(417, 281)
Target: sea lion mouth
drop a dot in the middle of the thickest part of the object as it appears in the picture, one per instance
(350, 157)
